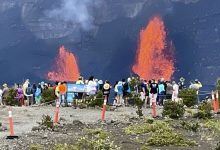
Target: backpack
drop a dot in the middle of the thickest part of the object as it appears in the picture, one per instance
(28, 90)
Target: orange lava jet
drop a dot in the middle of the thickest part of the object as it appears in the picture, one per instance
(154, 58)
(65, 68)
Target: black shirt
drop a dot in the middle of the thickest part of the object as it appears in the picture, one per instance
(153, 88)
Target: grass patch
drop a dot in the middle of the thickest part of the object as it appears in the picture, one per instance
(35, 147)
(190, 125)
(212, 124)
(169, 137)
(147, 127)
(96, 139)
(162, 134)
(65, 147)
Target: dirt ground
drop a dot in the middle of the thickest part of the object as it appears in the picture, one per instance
(25, 118)
(74, 121)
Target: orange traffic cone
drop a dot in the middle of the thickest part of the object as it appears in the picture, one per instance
(154, 113)
(213, 102)
(217, 102)
(56, 116)
(11, 126)
(104, 109)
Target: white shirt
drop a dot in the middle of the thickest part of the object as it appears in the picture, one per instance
(1, 92)
(176, 88)
(116, 88)
(91, 88)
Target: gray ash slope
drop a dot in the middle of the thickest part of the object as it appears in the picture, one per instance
(104, 36)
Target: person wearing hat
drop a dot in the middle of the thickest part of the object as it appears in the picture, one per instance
(181, 83)
(80, 80)
(100, 85)
(106, 90)
(196, 86)
(5, 92)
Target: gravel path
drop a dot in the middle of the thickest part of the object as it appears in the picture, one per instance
(25, 118)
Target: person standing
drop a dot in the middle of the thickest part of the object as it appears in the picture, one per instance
(24, 87)
(100, 85)
(80, 80)
(181, 83)
(34, 88)
(196, 86)
(175, 91)
(145, 91)
(29, 95)
(91, 86)
(38, 94)
(20, 95)
(5, 93)
(126, 90)
(169, 90)
(62, 93)
(116, 91)
(1, 92)
(106, 90)
(161, 92)
(153, 92)
(57, 92)
(120, 93)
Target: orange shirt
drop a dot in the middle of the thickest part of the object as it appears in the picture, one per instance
(62, 89)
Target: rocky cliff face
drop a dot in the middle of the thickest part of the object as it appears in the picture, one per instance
(104, 35)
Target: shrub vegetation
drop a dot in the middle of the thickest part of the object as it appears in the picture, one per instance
(188, 96)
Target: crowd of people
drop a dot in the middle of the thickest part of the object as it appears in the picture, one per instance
(152, 91)
(149, 91)
(26, 94)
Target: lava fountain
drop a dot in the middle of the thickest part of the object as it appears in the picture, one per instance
(65, 68)
(155, 54)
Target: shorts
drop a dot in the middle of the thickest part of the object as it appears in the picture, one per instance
(119, 94)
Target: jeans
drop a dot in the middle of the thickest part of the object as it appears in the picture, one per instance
(161, 96)
(62, 98)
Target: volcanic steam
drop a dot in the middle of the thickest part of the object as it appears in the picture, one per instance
(65, 68)
(154, 58)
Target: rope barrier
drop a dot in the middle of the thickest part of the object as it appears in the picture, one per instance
(130, 97)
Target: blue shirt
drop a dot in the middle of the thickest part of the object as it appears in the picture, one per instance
(161, 88)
